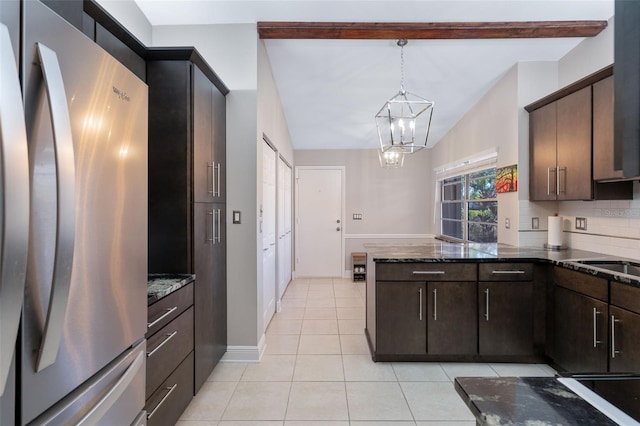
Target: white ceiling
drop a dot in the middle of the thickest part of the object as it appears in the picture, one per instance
(331, 89)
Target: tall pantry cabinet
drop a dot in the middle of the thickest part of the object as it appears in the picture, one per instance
(187, 190)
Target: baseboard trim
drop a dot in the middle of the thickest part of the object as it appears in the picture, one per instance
(245, 353)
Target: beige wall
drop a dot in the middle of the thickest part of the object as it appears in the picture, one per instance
(394, 202)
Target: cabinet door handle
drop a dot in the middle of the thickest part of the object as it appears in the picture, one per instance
(614, 352)
(596, 342)
(560, 188)
(164, 398)
(216, 192)
(486, 304)
(428, 272)
(213, 179)
(212, 240)
(216, 235)
(167, 338)
(420, 296)
(549, 170)
(498, 272)
(435, 304)
(168, 312)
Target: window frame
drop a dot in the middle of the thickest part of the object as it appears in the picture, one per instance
(465, 178)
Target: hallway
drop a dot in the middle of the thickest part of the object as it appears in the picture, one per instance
(317, 371)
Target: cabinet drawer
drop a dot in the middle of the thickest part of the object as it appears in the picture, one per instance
(505, 271)
(426, 271)
(582, 283)
(167, 404)
(167, 348)
(625, 296)
(166, 309)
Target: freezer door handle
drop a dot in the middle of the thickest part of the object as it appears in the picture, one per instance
(14, 201)
(107, 401)
(65, 225)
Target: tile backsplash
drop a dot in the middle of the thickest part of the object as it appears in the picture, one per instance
(613, 227)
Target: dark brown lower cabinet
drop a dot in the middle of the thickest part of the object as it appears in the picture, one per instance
(505, 318)
(401, 318)
(625, 335)
(452, 323)
(168, 402)
(581, 332)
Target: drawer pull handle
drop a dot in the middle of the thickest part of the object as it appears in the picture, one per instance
(163, 316)
(428, 272)
(164, 398)
(168, 337)
(486, 302)
(420, 296)
(504, 271)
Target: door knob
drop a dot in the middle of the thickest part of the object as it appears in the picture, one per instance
(338, 228)
(338, 221)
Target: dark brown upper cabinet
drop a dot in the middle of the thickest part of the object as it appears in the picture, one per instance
(603, 147)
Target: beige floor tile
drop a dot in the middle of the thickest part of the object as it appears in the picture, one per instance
(420, 372)
(271, 368)
(258, 401)
(317, 401)
(346, 326)
(435, 401)
(469, 369)
(342, 281)
(320, 293)
(312, 423)
(294, 303)
(446, 423)
(354, 344)
(383, 423)
(282, 344)
(377, 401)
(290, 313)
(349, 302)
(319, 326)
(319, 282)
(196, 423)
(324, 302)
(360, 368)
(296, 293)
(320, 313)
(319, 344)
(227, 372)
(249, 423)
(350, 313)
(318, 368)
(521, 370)
(345, 292)
(210, 402)
(284, 326)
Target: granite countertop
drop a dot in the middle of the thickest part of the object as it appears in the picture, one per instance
(442, 251)
(526, 401)
(161, 285)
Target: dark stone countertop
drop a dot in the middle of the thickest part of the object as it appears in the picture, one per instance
(161, 285)
(526, 401)
(442, 251)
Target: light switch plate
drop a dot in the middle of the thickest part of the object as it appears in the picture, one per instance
(236, 217)
(507, 223)
(581, 223)
(357, 216)
(535, 223)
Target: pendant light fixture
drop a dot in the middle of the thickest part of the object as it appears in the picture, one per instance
(403, 122)
(391, 159)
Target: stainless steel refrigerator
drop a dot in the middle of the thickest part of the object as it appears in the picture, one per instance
(81, 348)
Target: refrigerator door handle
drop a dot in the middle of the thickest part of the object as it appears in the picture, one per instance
(14, 204)
(107, 401)
(65, 225)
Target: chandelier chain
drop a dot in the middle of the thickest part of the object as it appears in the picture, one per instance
(402, 68)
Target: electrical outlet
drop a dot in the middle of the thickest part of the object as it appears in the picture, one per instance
(507, 223)
(535, 223)
(581, 223)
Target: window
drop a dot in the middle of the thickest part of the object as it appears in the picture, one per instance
(470, 207)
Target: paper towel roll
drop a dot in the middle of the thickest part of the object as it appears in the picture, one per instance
(554, 233)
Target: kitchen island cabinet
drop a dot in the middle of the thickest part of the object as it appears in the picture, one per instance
(452, 321)
(402, 326)
(624, 317)
(505, 310)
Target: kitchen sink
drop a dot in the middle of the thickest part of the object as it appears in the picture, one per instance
(620, 266)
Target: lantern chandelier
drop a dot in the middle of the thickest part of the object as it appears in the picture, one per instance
(391, 159)
(403, 122)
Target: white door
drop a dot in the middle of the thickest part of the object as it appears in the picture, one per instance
(319, 222)
(268, 213)
(288, 197)
(282, 233)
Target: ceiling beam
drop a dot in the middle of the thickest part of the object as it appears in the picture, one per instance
(428, 30)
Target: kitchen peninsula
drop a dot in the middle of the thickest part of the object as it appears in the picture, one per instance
(442, 301)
